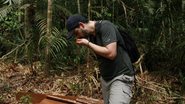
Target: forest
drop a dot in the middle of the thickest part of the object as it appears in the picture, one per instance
(35, 55)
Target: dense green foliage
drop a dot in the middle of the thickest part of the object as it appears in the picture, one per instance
(30, 32)
(157, 25)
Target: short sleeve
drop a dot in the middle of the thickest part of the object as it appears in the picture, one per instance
(108, 33)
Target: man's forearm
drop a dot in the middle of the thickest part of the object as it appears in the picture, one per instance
(102, 51)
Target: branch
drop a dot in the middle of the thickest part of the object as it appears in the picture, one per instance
(5, 56)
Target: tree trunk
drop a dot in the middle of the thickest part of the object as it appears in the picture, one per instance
(48, 35)
(78, 3)
(26, 22)
(89, 9)
(89, 17)
(183, 15)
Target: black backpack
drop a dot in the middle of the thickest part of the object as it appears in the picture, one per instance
(129, 45)
(127, 42)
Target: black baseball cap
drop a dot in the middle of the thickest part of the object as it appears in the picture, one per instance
(72, 23)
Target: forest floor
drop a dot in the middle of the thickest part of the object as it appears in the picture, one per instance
(159, 87)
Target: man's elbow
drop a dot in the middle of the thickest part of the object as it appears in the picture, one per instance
(112, 56)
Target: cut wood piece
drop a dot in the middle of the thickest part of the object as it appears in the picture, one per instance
(48, 101)
(55, 99)
(64, 99)
(35, 98)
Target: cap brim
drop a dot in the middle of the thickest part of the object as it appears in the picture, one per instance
(70, 35)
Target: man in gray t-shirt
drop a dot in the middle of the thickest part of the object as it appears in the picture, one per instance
(116, 69)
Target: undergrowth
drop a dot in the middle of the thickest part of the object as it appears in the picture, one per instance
(156, 87)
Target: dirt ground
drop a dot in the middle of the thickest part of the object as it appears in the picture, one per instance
(150, 88)
(16, 77)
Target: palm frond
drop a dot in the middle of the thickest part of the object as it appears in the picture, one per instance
(57, 33)
(42, 24)
(58, 42)
(42, 40)
(11, 2)
(53, 53)
(4, 11)
(17, 1)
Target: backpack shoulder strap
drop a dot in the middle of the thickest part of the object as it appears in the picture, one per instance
(97, 29)
(98, 26)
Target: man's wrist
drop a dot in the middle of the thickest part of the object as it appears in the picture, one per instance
(88, 43)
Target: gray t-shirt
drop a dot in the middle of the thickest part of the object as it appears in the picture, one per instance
(107, 33)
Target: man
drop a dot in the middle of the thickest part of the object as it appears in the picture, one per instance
(117, 74)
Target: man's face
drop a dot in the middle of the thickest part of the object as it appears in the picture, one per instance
(81, 31)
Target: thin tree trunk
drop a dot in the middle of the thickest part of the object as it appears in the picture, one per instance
(78, 3)
(102, 8)
(170, 22)
(89, 17)
(26, 27)
(183, 15)
(26, 22)
(19, 4)
(48, 34)
(89, 9)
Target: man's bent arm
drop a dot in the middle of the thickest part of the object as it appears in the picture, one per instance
(108, 51)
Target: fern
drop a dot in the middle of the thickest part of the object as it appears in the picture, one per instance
(4, 11)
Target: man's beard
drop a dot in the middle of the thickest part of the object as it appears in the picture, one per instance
(86, 34)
